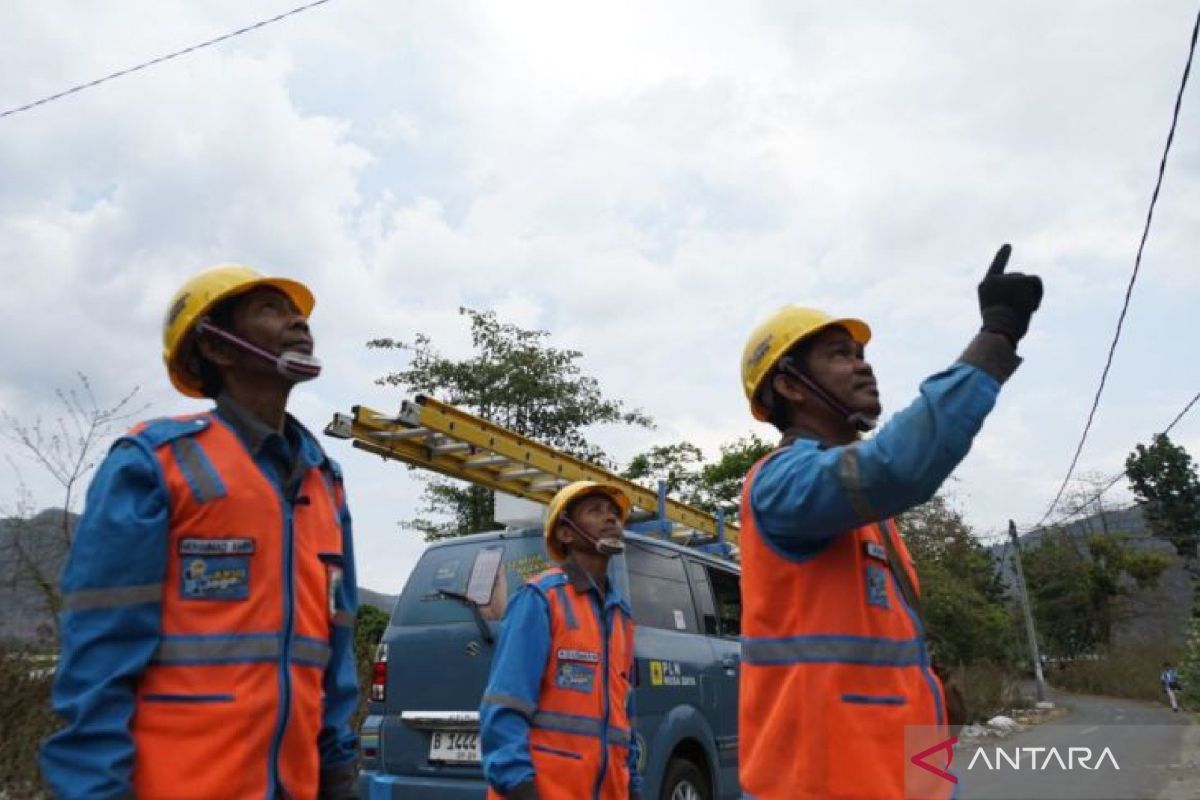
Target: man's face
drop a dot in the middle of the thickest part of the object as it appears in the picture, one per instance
(837, 363)
(268, 318)
(598, 516)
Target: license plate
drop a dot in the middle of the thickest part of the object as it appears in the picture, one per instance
(461, 747)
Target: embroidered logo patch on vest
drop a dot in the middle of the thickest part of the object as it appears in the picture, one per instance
(587, 656)
(877, 587)
(575, 676)
(875, 551)
(215, 578)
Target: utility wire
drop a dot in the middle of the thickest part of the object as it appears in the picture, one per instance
(1180, 415)
(1068, 514)
(1162, 167)
(161, 59)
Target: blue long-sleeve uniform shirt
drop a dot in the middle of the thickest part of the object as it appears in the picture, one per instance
(807, 494)
(110, 627)
(522, 653)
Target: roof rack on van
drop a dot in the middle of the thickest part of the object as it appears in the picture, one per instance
(440, 437)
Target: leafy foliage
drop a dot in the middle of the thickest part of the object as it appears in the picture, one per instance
(963, 598)
(1163, 479)
(516, 379)
(1076, 586)
(369, 626)
(707, 486)
(25, 720)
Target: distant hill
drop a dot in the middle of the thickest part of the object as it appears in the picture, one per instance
(25, 614)
(384, 602)
(1155, 615)
(40, 537)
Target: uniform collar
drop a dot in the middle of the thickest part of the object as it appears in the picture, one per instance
(249, 428)
(254, 433)
(582, 583)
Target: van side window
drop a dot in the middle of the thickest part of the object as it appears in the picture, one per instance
(659, 590)
(727, 590)
(702, 591)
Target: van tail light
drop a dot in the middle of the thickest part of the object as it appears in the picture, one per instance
(379, 674)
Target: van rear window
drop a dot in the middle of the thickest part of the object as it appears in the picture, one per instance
(450, 569)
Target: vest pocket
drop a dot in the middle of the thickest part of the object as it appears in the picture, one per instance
(866, 728)
(541, 748)
(188, 698)
(875, 699)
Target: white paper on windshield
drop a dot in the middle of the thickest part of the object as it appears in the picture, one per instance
(483, 575)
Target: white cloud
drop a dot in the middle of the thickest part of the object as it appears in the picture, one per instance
(644, 181)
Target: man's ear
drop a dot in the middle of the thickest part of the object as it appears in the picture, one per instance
(219, 353)
(564, 535)
(788, 388)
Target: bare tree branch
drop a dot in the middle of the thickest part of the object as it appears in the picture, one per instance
(67, 449)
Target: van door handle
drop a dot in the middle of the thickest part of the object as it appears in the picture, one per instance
(730, 662)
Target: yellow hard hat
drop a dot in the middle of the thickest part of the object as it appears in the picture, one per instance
(778, 334)
(569, 494)
(197, 297)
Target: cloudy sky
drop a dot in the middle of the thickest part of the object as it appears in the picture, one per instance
(644, 180)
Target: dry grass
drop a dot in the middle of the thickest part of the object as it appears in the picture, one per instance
(988, 690)
(1131, 673)
(25, 720)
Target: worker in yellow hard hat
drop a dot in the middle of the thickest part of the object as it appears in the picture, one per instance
(209, 595)
(833, 644)
(200, 332)
(556, 720)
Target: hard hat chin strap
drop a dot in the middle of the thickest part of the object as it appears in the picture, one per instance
(296, 367)
(861, 422)
(609, 546)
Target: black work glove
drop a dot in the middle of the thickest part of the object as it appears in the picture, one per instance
(523, 791)
(339, 783)
(1008, 300)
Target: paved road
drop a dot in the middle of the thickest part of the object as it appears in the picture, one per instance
(1146, 741)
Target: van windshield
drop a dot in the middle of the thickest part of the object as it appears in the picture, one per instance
(469, 569)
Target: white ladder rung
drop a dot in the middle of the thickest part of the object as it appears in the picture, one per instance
(449, 447)
(519, 473)
(411, 433)
(486, 461)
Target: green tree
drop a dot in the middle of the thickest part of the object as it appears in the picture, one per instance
(705, 485)
(516, 379)
(722, 479)
(369, 625)
(1163, 479)
(678, 465)
(1077, 585)
(962, 596)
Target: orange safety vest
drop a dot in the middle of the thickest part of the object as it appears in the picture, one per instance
(231, 704)
(580, 737)
(834, 666)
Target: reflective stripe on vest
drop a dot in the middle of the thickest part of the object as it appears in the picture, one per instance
(834, 649)
(834, 664)
(246, 626)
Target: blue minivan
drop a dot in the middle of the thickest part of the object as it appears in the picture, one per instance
(420, 740)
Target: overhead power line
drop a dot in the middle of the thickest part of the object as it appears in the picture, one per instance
(161, 59)
(1137, 263)
(1113, 482)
